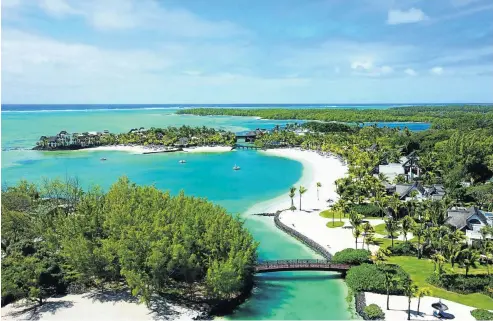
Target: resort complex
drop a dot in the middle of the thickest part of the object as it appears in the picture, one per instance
(172, 160)
(395, 213)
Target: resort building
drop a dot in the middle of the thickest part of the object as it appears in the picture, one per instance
(416, 191)
(469, 220)
(407, 167)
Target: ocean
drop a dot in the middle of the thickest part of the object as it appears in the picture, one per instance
(290, 295)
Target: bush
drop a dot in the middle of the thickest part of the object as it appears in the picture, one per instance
(481, 314)
(370, 278)
(373, 312)
(404, 248)
(352, 256)
(461, 283)
(367, 210)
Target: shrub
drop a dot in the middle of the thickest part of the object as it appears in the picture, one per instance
(461, 283)
(481, 314)
(373, 312)
(367, 210)
(404, 248)
(371, 278)
(352, 256)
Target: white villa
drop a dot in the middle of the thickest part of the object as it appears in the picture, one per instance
(469, 220)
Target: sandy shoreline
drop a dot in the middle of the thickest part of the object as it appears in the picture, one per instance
(140, 149)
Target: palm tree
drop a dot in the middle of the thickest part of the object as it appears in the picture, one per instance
(356, 234)
(381, 256)
(418, 231)
(421, 293)
(369, 239)
(390, 281)
(292, 193)
(407, 224)
(469, 257)
(302, 191)
(367, 229)
(410, 290)
(356, 219)
(392, 226)
(485, 231)
(438, 261)
(318, 186)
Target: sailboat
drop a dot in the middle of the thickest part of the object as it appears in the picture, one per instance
(183, 161)
(236, 167)
(103, 159)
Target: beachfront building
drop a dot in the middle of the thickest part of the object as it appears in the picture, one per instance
(469, 220)
(407, 167)
(182, 142)
(416, 191)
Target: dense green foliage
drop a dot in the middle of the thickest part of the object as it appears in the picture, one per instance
(371, 278)
(352, 256)
(367, 210)
(373, 312)
(441, 116)
(58, 235)
(461, 283)
(323, 127)
(170, 136)
(481, 314)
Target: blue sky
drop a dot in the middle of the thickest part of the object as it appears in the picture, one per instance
(244, 51)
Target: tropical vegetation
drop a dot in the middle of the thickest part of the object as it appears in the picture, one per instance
(57, 237)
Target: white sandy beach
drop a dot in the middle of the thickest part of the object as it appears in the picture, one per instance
(398, 307)
(208, 149)
(96, 306)
(139, 149)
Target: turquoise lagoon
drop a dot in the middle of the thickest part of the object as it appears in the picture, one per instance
(303, 295)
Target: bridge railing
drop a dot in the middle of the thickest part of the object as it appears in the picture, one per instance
(306, 240)
(300, 263)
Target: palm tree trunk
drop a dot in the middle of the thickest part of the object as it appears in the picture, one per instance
(419, 302)
(409, 308)
(356, 243)
(300, 202)
(392, 238)
(388, 297)
(419, 247)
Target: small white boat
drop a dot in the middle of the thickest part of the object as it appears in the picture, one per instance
(103, 159)
(182, 161)
(236, 167)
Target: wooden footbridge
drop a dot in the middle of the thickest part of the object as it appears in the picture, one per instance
(300, 265)
(252, 147)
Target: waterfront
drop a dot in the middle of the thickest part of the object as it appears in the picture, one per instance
(303, 295)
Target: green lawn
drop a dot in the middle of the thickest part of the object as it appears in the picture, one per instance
(380, 229)
(421, 269)
(336, 224)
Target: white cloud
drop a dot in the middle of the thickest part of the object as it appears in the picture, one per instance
(410, 72)
(436, 70)
(364, 64)
(402, 16)
(57, 7)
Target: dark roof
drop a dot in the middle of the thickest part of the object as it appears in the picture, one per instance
(52, 139)
(404, 190)
(63, 132)
(42, 137)
(458, 218)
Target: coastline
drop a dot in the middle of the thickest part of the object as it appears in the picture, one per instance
(140, 149)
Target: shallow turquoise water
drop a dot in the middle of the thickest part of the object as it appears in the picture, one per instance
(290, 295)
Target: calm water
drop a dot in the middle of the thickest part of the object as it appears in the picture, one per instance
(306, 295)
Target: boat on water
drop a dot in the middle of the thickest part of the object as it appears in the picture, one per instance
(182, 161)
(236, 167)
(103, 159)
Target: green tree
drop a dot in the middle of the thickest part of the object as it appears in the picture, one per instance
(390, 281)
(407, 225)
(301, 190)
(469, 258)
(292, 193)
(392, 227)
(421, 292)
(410, 290)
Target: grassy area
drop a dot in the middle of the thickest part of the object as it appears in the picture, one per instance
(335, 224)
(380, 229)
(421, 269)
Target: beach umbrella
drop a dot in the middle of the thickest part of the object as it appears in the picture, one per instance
(439, 306)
